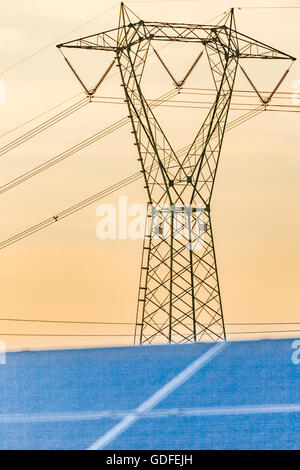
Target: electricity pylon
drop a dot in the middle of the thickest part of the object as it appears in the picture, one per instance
(179, 293)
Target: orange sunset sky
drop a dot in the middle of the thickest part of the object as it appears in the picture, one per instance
(65, 272)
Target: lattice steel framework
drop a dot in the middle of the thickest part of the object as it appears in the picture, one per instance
(179, 293)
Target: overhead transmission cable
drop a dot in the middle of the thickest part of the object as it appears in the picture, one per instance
(52, 108)
(103, 335)
(78, 94)
(287, 7)
(59, 116)
(106, 192)
(35, 320)
(74, 149)
(57, 40)
(84, 101)
(89, 92)
(44, 125)
(165, 100)
(78, 147)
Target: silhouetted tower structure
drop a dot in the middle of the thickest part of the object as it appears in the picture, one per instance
(179, 293)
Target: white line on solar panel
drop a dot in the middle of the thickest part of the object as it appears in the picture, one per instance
(228, 410)
(162, 413)
(158, 396)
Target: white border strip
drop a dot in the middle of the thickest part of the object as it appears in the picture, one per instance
(158, 396)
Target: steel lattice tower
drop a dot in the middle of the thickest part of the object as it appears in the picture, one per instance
(179, 293)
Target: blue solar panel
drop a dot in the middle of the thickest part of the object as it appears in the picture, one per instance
(239, 395)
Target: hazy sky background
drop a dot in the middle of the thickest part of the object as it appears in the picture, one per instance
(66, 273)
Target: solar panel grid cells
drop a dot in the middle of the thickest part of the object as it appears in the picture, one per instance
(246, 397)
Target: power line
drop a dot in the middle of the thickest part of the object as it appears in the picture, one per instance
(64, 113)
(131, 335)
(160, 1)
(261, 332)
(34, 320)
(56, 40)
(265, 8)
(65, 321)
(78, 147)
(168, 97)
(75, 149)
(106, 192)
(264, 323)
(67, 334)
(44, 125)
(95, 137)
(52, 108)
(168, 1)
(78, 94)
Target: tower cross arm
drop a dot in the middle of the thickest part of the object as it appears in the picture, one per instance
(249, 48)
(214, 36)
(105, 41)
